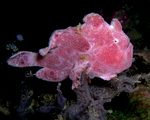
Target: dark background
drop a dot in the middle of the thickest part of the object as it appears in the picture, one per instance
(35, 21)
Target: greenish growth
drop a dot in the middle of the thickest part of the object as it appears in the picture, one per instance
(138, 107)
(120, 14)
(118, 115)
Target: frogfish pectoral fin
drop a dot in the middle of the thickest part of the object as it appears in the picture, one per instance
(50, 74)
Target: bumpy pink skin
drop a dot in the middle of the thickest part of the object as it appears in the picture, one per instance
(105, 47)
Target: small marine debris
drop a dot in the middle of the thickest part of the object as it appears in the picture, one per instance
(19, 37)
(12, 47)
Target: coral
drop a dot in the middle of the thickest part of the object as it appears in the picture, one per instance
(146, 81)
(24, 107)
(105, 47)
(58, 103)
(118, 12)
(4, 110)
(145, 54)
(29, 106)
(138, 107)
(91, 98)
(140, 103)
(121, 15)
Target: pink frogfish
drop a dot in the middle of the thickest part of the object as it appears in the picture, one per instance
(103, 47)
